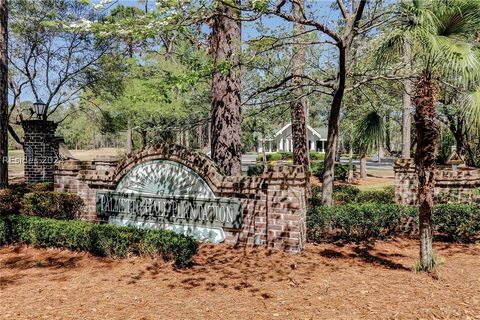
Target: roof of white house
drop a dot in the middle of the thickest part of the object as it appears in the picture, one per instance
(319, 132)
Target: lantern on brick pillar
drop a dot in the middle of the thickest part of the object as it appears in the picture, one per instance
(39, 108)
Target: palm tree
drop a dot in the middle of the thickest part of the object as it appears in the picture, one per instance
(442, 35)
(370, 134)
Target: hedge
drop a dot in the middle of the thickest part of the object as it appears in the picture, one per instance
(11, 198)
(344, 193)
(314, 155)
(385, 196)
(354, 221)
(340, 170)
(58, 205)
(255, 170)
(98, 239)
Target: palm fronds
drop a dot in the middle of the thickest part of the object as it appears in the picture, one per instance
(370, 131)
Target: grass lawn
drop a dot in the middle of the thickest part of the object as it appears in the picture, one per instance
(15, 167)
(326, 281)
(376, 180)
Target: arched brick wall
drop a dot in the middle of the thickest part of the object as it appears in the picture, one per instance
(198, 162)
(274, 204)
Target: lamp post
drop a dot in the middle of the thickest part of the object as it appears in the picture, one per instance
(39, 108)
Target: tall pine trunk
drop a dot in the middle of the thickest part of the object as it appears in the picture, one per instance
(298, 105)
(3, 94)
(225, 113)
(427, 132)
(407, 103)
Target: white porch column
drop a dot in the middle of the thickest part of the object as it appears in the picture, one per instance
(312, 145)
(269, 145)
(323, 146)
(280, 146)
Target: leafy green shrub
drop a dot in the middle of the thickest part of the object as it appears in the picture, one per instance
(345, 193)
(355, 221)
(40, 186)
(274, 157)
(361, 221)
(314, 155)
(102, 240)
(3, 232)
(58, 205)
(9, 202)
(11, 198)
(286, 155)
(460, 222)
(341, 194)
(255, 170)
(340, 171)
(386, 196)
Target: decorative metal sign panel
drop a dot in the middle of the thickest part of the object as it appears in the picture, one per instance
(162, 194)
(164, 178)
(216, 212)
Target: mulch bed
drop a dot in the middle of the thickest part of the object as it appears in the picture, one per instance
(327, 281)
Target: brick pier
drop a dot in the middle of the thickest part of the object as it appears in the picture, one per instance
(41, 150)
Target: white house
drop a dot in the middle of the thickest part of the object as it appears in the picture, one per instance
(282, 139)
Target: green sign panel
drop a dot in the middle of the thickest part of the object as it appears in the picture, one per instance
(163, 194)
(146, 208)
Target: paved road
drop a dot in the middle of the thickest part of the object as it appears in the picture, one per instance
(385, 164)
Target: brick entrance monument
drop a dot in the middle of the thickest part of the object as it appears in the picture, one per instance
(273, 206)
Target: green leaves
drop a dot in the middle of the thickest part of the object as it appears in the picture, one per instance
(371, 131)
(471, 110)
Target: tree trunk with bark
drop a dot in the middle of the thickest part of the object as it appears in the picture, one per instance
(298, 105)
(363, 166)
(388, 140)
(350, 163)
(129, 138)
(3, 94)
(333, 131)
(407, 104)
(226, 113)
(427, 131)
(143, 134)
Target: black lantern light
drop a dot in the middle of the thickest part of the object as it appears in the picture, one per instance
(39, 108)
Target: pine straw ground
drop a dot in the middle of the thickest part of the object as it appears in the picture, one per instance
(325, 282)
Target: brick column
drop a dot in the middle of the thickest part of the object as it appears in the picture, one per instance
(41, 150)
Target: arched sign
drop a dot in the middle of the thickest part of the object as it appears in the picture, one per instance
(163, 194)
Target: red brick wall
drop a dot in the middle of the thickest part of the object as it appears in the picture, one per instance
(40, 141)
(274, 204)
(462, 185)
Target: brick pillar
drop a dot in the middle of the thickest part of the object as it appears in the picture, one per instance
(41, 150)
